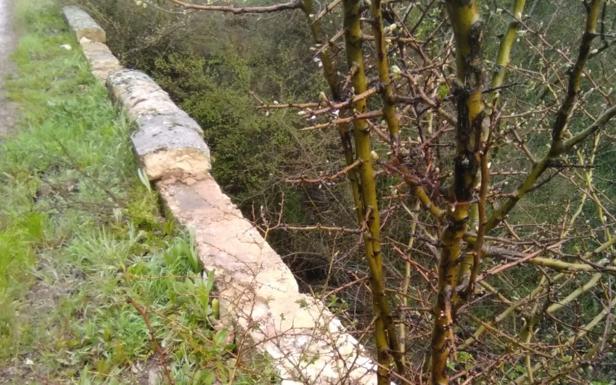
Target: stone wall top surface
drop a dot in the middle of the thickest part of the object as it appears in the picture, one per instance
(167, 140)
(102, 61)
(83, 25)
(259, 293)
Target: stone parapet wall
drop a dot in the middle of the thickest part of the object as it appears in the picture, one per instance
(92, 40)
(83, 25)
(258, 294)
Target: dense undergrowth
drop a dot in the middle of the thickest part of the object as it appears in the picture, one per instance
(219, 75)
(96, 287)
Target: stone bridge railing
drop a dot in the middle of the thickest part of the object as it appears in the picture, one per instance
(258, 294)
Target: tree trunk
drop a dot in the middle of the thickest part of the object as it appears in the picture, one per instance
(467, 27)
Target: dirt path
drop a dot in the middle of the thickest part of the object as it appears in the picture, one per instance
(7, 44)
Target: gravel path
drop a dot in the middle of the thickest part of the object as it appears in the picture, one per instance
(7, 44)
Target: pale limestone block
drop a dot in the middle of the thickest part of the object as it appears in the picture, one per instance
(102, 61)
(178, 162)
(167, 140)
(140, 95)
(225, 239)
(167, 132)
(83, 25)
(307, 343)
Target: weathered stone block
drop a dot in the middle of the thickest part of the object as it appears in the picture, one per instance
(139, 94)
(102, 61)
(167, 140)
(179, 163)
(168, 131)
(83, 25)
(260, 295)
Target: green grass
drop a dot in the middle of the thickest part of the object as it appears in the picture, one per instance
(83, 245)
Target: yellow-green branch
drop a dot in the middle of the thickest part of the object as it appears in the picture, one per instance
(385, 332)
(467, 28)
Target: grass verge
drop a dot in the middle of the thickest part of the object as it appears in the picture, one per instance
(96, 287)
